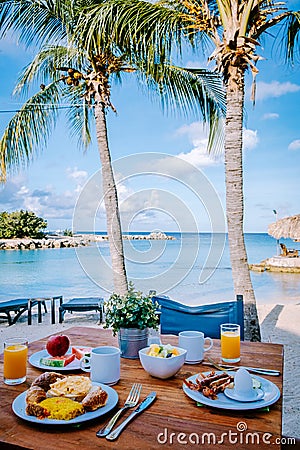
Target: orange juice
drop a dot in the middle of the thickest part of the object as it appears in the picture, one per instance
(15, 361)
(230, 343)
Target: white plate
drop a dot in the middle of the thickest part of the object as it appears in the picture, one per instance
(19, 407)
(255, 395)
(271, 395)
(34, 360)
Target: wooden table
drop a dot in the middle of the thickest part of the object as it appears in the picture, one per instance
(174, 421)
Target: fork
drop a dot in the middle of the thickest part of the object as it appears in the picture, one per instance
(131, 401)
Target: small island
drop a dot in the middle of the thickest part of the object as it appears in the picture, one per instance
(155, 235)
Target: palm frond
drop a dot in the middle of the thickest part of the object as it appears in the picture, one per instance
(28, 131)
(36, 21)
(46, 63)
(246, 14)
(225, 11)
(133, 24)
(292, 37)
(191, 91)
(80, 115)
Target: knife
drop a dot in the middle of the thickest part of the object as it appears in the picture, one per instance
(142, 406)
(257, 370)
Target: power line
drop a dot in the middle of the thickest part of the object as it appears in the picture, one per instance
(30, 108)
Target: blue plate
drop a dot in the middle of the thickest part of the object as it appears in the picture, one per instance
(271, 395)
(19, 407)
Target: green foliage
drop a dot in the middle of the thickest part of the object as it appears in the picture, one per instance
(68, 232)
(78, 36)
(132, 310)
(20, 224)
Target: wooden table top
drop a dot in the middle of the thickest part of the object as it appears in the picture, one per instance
(173, 421)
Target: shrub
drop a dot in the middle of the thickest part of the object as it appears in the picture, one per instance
(68, 232)
(133, 310)
(20, 224)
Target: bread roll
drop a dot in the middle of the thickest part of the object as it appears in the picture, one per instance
(47, 378)
(35, 394)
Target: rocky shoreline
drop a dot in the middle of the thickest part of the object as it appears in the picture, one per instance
(33, 244)
(79, 240)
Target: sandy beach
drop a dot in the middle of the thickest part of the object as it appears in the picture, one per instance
(279, 324)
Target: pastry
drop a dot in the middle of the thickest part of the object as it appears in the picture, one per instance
(95, 399)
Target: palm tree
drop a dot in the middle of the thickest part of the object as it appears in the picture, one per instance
(231, 30)
(78, 75)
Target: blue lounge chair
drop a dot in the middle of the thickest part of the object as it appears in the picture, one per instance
(176, 317)
(17, 307)
(82, 305)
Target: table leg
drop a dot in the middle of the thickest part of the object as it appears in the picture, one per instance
(61, 315)
(29, 319)
(53, 299)
(52, 310)
(39, 311)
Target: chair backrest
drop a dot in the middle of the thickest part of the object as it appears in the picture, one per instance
(284, 249)
(176, 317)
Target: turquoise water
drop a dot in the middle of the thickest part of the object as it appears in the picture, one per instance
(170, 267)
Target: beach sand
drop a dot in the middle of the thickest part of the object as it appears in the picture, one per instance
(279, 324)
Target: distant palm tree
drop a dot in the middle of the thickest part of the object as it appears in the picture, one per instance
(231, 31)
(73, 73)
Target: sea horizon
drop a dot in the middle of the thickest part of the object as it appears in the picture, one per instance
(171, 267)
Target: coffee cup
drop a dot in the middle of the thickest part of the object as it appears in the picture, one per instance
(103, 364)
(194, 342)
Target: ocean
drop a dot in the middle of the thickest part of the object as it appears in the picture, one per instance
(192, 269)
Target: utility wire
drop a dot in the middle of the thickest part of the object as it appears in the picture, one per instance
(6, 111)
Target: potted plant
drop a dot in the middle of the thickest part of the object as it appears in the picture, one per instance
(131, 315)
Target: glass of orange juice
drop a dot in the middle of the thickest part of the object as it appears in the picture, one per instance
(15, 360)
(230, 342)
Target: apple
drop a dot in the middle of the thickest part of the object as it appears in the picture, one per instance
(58, 345)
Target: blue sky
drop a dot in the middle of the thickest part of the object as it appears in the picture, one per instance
(50, 185)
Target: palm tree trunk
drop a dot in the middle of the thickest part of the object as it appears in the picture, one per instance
(111, 204)
(235, 201)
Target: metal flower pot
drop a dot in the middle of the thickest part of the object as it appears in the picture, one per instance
(131, 340)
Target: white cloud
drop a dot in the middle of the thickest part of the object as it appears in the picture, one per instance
(270, 116)
(274, 89)
(23, 190)
(198, 157)
(79, 176)
(194, 131)
(250, 139)
(76, 174)
(294, 145)
(45, 202)
(198, 136)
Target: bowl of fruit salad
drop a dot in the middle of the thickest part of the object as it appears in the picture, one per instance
(162, 361)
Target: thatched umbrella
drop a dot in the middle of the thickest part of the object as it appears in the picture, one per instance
(288, 227)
